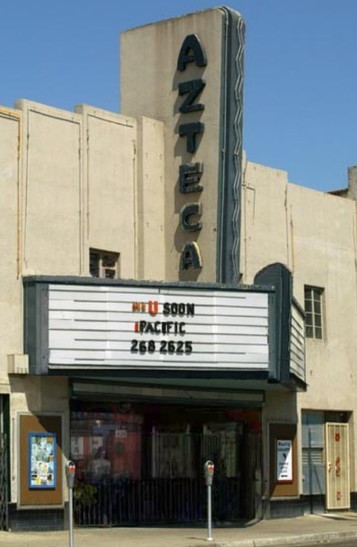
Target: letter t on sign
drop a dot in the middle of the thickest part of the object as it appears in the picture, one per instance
(190, 130)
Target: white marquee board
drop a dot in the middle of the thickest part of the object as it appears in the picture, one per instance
(155, 327)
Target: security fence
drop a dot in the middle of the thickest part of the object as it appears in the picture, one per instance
(162, 482)
(154, 501)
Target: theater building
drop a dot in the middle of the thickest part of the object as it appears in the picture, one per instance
(165, 301)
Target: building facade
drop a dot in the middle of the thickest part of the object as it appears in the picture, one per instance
(165, 301)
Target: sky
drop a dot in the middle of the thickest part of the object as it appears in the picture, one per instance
(300, 91)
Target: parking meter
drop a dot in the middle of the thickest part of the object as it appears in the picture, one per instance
(70, 476)
(70, 473)
(209, 472)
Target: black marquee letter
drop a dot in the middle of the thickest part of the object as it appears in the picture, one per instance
(191, 51)
(190, 176)
(190, 130)
(190, 257)
(193, 89)
(188, 211)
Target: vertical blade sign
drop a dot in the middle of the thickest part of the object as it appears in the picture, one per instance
(190, 173)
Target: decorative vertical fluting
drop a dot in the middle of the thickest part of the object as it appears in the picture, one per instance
(230, 180)
(238, 151)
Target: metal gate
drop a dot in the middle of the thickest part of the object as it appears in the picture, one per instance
(4, 516)
(155, 501)
(170, 487)
(337, 466)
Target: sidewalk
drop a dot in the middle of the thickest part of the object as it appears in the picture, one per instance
(297, 531)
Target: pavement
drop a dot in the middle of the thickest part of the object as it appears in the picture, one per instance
(325, 528)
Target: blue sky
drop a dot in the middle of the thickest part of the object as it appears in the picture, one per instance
(300, 71)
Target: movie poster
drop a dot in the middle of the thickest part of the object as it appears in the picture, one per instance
(284, 460)
(42, 460)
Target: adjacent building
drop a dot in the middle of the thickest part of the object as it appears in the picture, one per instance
(165, 301)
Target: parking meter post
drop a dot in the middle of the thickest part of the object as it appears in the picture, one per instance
(209, 513)
(70, 476)
(209, 472)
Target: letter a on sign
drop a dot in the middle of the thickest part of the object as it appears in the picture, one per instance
(191, 51)
(190, 257)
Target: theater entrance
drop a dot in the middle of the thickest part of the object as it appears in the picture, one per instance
(142, 464)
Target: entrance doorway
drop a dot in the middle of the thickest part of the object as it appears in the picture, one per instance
(143, 464)
(325, 459)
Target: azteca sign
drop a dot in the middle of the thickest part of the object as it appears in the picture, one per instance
(190, 173)
(91, 326)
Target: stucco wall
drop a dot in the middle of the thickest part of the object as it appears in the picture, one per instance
(51, 190)
(90, 179)
(109, 180)
(314, 235)
(10, 284)
(150, 200)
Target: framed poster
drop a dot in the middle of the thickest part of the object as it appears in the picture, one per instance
(42, 470)
(284, 460)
